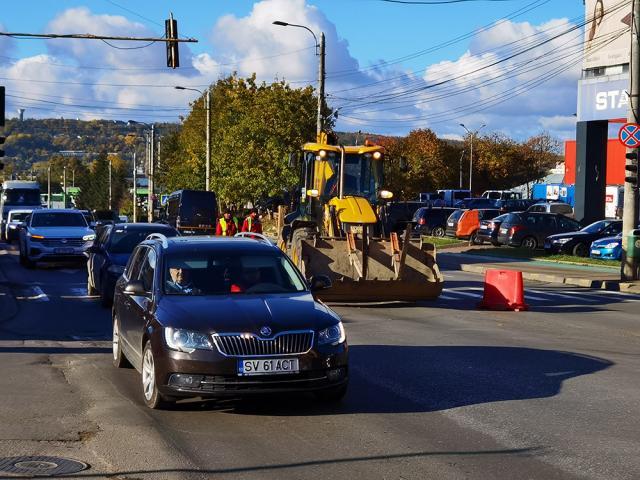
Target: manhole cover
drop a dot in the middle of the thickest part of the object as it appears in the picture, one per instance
(40, 466)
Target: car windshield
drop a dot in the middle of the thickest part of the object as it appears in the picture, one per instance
(124, 240)
(58, 219)
(223, 273)
(21, 196)
(595, 227)
(18, 216)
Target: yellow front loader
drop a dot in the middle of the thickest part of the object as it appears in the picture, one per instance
(335, 230)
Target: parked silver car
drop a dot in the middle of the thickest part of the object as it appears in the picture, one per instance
(54, 235)
(552, 207)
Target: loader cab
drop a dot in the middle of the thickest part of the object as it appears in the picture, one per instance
(363, 174)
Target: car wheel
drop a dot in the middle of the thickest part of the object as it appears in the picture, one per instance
(152, 397)
(119, 360)
(438, 232)
(530, 243)
(580, 250)
(332, 395)
(474, 239)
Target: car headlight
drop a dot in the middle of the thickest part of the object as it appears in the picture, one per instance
(117, 269)
(333, 335)
(91, 236)
(561, 241)
(186, 340)
(612, 245)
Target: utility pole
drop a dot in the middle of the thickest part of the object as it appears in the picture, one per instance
(151, 174)
(471, 134)
(73, 177)
(630, 213)
(110, 191)
(320, 86)
(461, 157)
(64, 186)
(49, 186)
(207, 108)
(135, 190)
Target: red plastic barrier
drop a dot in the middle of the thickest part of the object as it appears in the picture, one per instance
(503, 290)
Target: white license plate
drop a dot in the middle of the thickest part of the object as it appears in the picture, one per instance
(503, 230)
(268, 366)
(63, 251)
(483, 227)
(450, 224)
(595, 252)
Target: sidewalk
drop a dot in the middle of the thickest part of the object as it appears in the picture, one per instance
(591, 276)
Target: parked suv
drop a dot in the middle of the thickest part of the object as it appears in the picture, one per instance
(220, 316)
(488, 231)
(529, 229)
(578, 243)
(110, 253)
(552, 207)
(54, 235)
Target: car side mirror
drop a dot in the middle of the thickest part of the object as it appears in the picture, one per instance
(320, 282)
(135, 288)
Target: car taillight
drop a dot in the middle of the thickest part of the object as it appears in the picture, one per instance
(515, 229)
(422, 221)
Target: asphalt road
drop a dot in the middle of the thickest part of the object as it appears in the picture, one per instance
(440, 390)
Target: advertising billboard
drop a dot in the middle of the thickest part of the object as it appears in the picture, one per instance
(609, 20)
(603, 98)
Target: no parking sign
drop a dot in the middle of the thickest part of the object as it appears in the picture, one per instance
(629, 135)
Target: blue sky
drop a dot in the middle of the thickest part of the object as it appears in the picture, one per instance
(359, 33)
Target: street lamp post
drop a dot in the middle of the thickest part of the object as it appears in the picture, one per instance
(135, 190)
(471, 134)
(320, 52)
(49, 186)
(207, 108)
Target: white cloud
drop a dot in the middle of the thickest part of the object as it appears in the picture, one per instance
(383, 98)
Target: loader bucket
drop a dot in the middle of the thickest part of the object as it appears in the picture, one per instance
(415, 277)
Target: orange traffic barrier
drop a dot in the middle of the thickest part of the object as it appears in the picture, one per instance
(503, 290)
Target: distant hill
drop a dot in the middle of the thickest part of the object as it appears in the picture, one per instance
(34, 140)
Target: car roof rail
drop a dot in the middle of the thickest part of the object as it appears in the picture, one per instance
(158, 236)
(255, 236)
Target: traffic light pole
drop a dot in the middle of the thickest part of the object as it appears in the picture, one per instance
(630, 213)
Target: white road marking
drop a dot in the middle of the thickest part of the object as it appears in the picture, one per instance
(463, 294)
(38, 295)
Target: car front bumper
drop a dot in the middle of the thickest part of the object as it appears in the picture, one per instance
(37, 251)
(207, 373)
(605, 253)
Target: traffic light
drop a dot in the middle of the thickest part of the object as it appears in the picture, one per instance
(171, 33)
(631, 169)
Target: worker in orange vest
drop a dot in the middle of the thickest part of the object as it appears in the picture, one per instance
(227, 226)
(252, 223)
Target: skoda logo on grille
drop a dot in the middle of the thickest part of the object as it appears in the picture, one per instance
(64, 240)
(265, 331)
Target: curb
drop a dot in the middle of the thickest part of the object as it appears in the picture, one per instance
(550, 278)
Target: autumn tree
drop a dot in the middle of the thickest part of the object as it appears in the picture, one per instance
(254, 126)
(94, 186)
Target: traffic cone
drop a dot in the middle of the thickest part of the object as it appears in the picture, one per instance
(503, 290)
